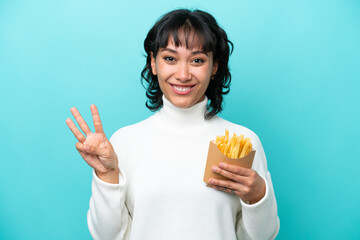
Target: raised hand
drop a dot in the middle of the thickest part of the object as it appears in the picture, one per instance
(95, 148)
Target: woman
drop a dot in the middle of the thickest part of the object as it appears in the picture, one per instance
(147, 179)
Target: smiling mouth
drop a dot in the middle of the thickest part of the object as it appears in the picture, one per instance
(182, 89)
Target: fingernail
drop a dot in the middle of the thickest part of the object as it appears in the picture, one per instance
(221, 165)
(214, 169)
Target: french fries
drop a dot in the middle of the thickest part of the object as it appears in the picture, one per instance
(235, 147)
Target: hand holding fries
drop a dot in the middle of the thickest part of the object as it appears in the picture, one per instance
(95, 148)
(246, 183)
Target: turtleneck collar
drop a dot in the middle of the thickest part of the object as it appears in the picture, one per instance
(182, 117)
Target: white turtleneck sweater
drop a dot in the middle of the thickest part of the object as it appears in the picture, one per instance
(161, 194)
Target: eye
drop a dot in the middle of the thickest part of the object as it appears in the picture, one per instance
(198, 60)
(169, 59)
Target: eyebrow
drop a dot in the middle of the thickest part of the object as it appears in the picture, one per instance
(192, 53)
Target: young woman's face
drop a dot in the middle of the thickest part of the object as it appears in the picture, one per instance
(183, 74)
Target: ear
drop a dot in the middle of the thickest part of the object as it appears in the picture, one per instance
(215, 68)
(153, 64)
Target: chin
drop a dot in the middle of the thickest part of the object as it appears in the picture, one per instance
(182, 103)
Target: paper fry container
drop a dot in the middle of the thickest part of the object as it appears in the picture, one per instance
(215, 157)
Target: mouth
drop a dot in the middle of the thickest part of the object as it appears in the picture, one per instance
(182, 89)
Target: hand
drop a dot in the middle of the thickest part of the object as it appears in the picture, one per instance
(245, 183)
(95, 148)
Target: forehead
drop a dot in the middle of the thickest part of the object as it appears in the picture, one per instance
(171, 44)
(189, 39)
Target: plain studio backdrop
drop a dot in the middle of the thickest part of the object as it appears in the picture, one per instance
(295, 69)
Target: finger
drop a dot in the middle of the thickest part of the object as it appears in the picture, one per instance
(79, 136)
(239, 189)
(235, 169)
(233, 176)
(224, 189)
(80, 121)
(80, 146)
(96, 118)
(83, 155)
(94, 164)
(224, 184)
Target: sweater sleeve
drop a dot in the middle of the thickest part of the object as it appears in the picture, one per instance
(259, 220)
(108, 216)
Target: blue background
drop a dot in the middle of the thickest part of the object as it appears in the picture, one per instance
(296, 72)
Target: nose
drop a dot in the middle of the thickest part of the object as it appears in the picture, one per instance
(183, 72)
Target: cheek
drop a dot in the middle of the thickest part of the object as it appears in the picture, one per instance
(161, 80)
(206, 75)
(206, 85)
(207, 71)
(206, 80)
(164, 71)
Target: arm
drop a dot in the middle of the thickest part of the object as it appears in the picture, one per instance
(258, 219)
(108, 217)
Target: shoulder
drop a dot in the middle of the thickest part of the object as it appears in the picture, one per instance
(259, 163)
(133, 130)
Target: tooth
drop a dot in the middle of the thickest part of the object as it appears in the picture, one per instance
(182, 89)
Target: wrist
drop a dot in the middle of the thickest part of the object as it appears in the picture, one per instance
(259, 195)
(111, 176)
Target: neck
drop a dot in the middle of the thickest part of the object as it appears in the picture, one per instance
(182, 118)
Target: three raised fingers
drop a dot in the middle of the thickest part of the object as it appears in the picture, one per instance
(83, 125)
